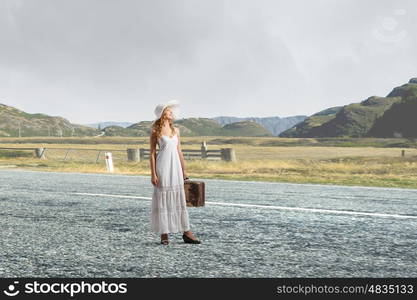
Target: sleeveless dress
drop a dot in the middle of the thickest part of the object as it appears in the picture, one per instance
(168, 209)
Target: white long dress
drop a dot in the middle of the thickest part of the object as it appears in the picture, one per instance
(168, 209)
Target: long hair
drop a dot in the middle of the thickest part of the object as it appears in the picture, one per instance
(157, 125)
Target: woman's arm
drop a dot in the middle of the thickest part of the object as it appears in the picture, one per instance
(152, 156)
(180, 154)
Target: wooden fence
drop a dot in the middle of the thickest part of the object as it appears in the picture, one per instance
(131, 154)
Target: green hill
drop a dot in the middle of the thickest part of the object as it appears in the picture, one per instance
(202, 127)
(188, 127)
(275, 125)
(114, 130)
(31, 125)
(245, 128)
(374, 116)
(354, 120)
(400, 120)
(199, 127)
(304, 128)
(13, 121)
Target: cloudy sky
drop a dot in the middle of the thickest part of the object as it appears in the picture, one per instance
(102, 60)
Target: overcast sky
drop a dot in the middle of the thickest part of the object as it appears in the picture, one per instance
(102, 60)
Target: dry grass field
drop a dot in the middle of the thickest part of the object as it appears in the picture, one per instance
(282, 160)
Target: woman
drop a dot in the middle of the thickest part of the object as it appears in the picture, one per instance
(168, 210)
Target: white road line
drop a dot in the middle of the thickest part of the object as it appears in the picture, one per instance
(317, 210)
(114, 196)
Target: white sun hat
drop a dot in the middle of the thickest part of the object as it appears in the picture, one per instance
(173, 104)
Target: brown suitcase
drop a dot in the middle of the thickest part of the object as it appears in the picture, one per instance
(194, 192)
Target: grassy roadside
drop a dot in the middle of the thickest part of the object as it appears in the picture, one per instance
(382, 171)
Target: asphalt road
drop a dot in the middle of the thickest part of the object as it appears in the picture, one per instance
(97, 225)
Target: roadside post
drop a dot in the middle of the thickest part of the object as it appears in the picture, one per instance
(109, 161)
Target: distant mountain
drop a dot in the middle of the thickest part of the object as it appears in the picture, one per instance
(109, 123)
(388, 116)
(15, 122)
(275, 125)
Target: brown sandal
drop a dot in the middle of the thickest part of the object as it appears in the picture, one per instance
(189, 240)
(164, 240)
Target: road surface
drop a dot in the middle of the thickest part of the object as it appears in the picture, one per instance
(97, 225)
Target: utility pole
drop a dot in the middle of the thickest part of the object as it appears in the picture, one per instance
(19, 130)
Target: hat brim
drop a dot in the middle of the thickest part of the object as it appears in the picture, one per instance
(175, 108)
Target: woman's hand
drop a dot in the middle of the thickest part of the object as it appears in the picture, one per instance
(155, 180)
